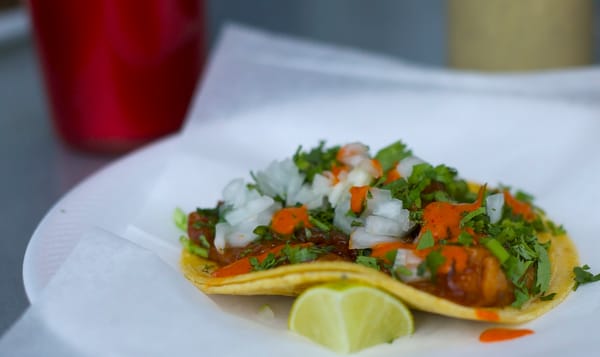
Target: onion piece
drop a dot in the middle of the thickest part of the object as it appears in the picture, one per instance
(494, 204)
(340, 219)
(361, 239)
(280, 178)
(377, 225)
(407, 261)
(405, 166)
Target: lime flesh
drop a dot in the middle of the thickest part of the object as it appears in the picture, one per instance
(346, 317)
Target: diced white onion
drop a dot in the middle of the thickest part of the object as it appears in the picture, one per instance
(358, 177)
(381, 204)
(341, 190)
(377, 225)
(407, 259)
(221, 230)
(391, 209)
(355, 152)
(494, 204)
(245, 210)
(235, 193)
(405, 166)
(312, 195)
(280, 178)
(250, 210)
(340, 219)
(367, 165)
(361, 239)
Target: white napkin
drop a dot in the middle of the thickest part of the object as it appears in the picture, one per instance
(264, 95)
(251, 68)
(112, 298)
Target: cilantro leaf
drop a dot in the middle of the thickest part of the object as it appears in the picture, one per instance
(471, 215)
(465, 239)
(547, 297)
(263, 233)
(367, 261)
(402, 270)
(521, 297)
(270, 261)
(425, 241)
(583, 276)
(316, 160)
(299, 254)
(543, 268)
(433, 261)
(389, 156)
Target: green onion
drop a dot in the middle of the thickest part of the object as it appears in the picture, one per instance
(180, 219)
(497, 249)
(192, 247)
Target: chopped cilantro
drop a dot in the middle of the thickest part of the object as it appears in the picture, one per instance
(471, 215)
(389, 156)
(402, 270)
(521, 297)
(547, 297)
(263, 233)
(413, 191)
(370, 262)
(425, 241)
(324, 226)
(465, 239)
(544, 272)
(270, 261)
(299, 254)
(554, 229)
(322, 217)
(356, 223)
(524, 197)
(583, 276)
(316, 160)
(432, 263)
(391, 255)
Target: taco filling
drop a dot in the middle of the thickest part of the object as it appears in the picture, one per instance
(429, 231)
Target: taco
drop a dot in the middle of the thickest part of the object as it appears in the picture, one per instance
(439, 243)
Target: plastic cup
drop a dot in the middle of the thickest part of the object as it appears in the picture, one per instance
(118, 73)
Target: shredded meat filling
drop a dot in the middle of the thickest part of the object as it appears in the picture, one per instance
(481, 283)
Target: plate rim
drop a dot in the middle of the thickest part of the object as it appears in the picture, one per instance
(31, 282)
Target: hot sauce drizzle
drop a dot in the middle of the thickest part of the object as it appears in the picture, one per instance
(486, 315)
(442, 219)
(499, 334)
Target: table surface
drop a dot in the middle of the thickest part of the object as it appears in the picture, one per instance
(37, 169)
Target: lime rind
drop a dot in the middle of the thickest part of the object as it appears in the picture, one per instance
(346, 317)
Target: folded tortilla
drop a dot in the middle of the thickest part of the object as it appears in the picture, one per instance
(291, 280)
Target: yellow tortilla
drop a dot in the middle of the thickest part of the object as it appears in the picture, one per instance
(291, 280)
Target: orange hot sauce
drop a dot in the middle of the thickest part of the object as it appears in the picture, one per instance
(499, 334)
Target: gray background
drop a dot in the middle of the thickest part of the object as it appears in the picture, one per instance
(36, 169)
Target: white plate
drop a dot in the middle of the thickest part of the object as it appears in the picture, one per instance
(106, 199)
(526, 143)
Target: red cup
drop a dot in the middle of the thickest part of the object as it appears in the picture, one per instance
(118, 73)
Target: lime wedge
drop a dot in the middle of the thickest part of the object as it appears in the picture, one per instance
(347, 317)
